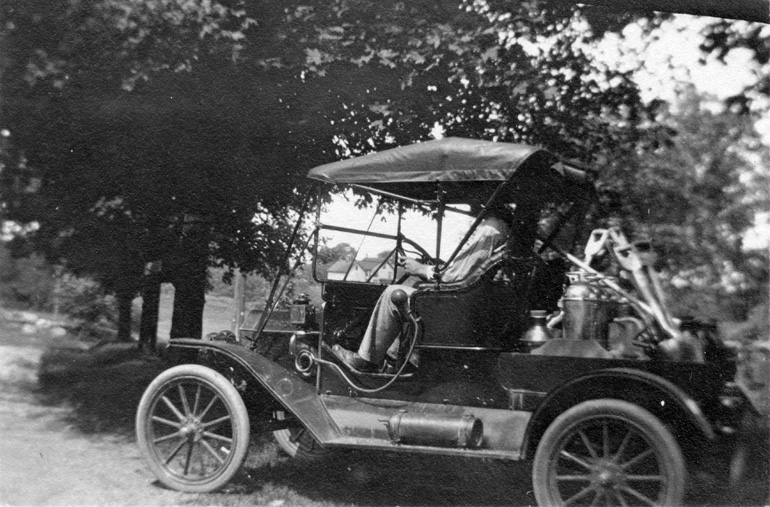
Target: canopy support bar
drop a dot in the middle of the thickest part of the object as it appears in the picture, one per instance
(419, 202)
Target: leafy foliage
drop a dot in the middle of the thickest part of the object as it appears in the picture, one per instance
(696, 197)
(340, 251)
(27, 281)
(723, 36)
(496, 70)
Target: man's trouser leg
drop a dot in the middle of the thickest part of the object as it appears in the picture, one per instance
(384, 327)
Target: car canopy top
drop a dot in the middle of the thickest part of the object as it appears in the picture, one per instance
(457, 166)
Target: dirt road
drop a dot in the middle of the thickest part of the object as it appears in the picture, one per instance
(43, 461)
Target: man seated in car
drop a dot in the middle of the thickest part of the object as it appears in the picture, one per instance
(386, 322)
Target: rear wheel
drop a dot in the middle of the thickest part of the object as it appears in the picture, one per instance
(608, 452)
(193, 428)
(298, 442)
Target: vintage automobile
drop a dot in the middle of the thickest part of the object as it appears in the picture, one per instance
(563, 355)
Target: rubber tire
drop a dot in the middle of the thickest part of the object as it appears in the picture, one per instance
(669, 455)
(304, 447)
(218, 384)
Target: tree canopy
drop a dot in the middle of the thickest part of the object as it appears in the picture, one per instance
(181, 131)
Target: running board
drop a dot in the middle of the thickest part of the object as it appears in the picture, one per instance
(380, 445)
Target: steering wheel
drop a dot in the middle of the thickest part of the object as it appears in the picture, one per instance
(418, 252)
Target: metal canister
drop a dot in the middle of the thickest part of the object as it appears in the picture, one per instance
(588, 307)
(436, 430)
(538, 333)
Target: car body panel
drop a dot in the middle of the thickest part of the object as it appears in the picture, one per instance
(291, 391)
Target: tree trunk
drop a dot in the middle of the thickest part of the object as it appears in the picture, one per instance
(148, 326)
(189, 299)
(124, 315)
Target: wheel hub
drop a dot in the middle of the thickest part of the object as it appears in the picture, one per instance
(608, 474)
(192, 429)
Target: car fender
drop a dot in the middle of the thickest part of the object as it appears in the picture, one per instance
(293, 393)
(660, 396)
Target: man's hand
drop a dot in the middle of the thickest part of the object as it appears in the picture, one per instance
(417, 268)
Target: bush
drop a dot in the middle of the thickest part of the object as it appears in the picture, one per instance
(85, 301)
(755, 328)
(25, 282)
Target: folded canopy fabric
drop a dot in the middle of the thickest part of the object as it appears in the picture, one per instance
(446, 160)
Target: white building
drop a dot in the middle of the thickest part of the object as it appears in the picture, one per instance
(361, 271)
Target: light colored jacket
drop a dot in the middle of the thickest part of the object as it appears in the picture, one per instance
(491, 234)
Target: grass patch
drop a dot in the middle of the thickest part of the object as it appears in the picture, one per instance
(103, 384)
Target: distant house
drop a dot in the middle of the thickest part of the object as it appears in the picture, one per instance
(361, 271)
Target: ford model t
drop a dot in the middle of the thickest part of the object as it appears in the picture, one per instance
(561, 353)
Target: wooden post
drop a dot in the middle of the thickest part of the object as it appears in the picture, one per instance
(58, 272)
(239, 301)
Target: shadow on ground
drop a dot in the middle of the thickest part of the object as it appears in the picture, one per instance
(103, 384)
(385, 479)
(388, 479)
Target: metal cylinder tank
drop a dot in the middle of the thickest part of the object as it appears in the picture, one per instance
(436, 430)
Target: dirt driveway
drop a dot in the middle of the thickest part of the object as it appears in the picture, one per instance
(43, 461)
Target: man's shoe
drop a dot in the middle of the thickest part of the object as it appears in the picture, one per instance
(353, 360)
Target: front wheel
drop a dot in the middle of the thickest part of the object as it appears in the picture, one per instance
(192, 428)
(608, 452)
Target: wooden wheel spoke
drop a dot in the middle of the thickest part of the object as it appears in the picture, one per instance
(175, 451)
(622, 447)
(212, 452)
(166, 421)
(176, 434)
(638, 496)
(580, 494)
(185, 404)
(638, 458)
(215, 422)
(606, 440)
(215, 436)
(187, 460)
(644, 478)
(197, 399)
(173, 408)
(573, 477)
(587, 444)
(576, 459)
(208, 407)
(619, 496)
